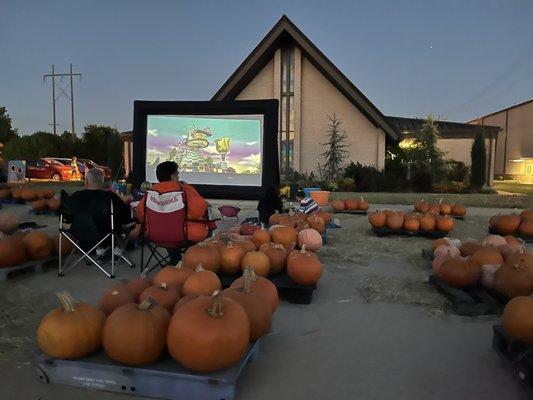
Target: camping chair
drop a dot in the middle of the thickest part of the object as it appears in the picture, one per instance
(229, 213)
(114, 241)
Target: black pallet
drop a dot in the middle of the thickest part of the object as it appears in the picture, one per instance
(287, 289)
(43, 212)
(402, 232)
(165, 379)
(517, 356)
(472, 301)
(525, 238)
(354, 212)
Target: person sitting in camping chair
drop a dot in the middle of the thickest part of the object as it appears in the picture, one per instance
(88, 211)
(197, 224)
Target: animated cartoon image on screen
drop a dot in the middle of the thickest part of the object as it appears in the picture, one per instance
(206, 147)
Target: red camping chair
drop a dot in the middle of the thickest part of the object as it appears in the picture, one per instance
(165, 225)
(229, 212)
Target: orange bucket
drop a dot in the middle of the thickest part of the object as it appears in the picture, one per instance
(321, 197)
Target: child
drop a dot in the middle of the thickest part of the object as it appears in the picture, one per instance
(307, 205)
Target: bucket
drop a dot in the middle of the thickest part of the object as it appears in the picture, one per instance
(321, 197)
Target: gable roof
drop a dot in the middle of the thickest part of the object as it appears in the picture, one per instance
(286, 32)
(503, 109)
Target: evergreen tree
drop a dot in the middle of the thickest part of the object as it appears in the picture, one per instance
(478, 155)
(335, 149)
(425, 152)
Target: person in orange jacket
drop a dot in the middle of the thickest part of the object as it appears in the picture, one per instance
(168, 176)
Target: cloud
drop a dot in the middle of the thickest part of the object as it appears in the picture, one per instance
(152, 132)
(154, 153)
(211, 149)
(252, 159)
(252, 143)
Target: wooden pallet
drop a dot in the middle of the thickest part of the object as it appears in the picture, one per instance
(517, 357)
(36, 265)
(402, 232)
(354, 212)
(472, 301)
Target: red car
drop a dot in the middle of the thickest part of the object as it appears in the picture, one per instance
(91, 164)
(47, 169)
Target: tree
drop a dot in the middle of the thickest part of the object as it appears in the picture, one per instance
(335, 150)
(6, 129)
(478, 155)
(103, 145)
(425, 152)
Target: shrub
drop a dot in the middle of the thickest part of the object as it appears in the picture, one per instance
(457, 171)
(422, 180)
(478, 155)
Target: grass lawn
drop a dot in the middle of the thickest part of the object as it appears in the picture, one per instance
(513, 187)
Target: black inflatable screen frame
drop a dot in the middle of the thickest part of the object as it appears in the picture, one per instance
(269, 110)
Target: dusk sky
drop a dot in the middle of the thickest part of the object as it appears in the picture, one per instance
(455, 59)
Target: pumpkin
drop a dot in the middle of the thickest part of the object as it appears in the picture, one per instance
(411, 224)
(285, 236)
(488, 272)
(301, 225)
(12, 252)
(521, 259)
(362, 204)
(201, 254)
(511, 240)
(8, 222)
(39, 205)
(326, 217)
(487, 255)
(507, 224)
(115, 297)
(422, 206)
(351, 204)
(254, 303)
(304, 267)
(231, 257)
(459, 272)
(53, 204)
(444, 209)
(277, 255)
(16, 192)
(248, 229)
(514, 280)
(337, 205)
(137, 285)
(526, 227)
(377, 219)
(38, 245)
(469, 247)
(214, 243)
(5, 193)
(275, 219)
(526, 215)
(257, 260)
(173, 275)
(427, 222)
(517, 319)
(458, 210)
(66, 246)
(311, 239)
(136, 334)
(494, 240)
(72, 330)
(201, 282)
(262, 285)
(48, 193)
(317, 223)
(492, 221)
(208, 334)
(434, 209)
(246, 245)
(27, 195)
(447, 251)
(163, 294)
(395, 221)
(444, 224)
(184, 300)
(441, 242)
(260, 237)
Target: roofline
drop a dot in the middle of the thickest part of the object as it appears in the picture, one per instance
(448, 122)
(263, 51)
(503, 109)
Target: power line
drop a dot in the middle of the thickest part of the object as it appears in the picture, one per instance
(62, 91)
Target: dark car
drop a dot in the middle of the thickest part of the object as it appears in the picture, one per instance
(47, 169)
(91, 164)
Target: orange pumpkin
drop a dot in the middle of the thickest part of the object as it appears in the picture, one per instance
(66, 246)
(507, 224)
(351, 204)
(16, 192)
(326, 217)
(411, 224)
(115, 297)
(257, 260)
(526, 227)
(487, 255)
(277, 255)
(39, 205)
(38, 245)
(231, 257)
(285, 236)
(28, 195)
(469, 247)
(422, 206)
(12, 252)
(517, 319)
(377, 219)
(395, 221)
(337, 205)
(444, 224)
(261, 236)
(275, 219)
(5, 193)
(434, 209)
(246, 245)
(444, 209)
(262, 285)
(362, 204)
(301, 225)
(427, 222)
(202, 282)
(526, 215)
(163, 294)
(459, 272)
(514, 280)
(317, 223)
(8, 222)
(304, 267)
(208, 334)
(137, 285)
(458, 210)
(173, 275)
(53, 204)
(201, 254)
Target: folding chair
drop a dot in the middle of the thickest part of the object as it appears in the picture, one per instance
(118, 240)
(165, 226)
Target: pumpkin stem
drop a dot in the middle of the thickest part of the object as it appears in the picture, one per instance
(178, 265)
(216, 309)
(200, 267)
(114, 293)
(303, 248)
(143, 273)
(65, 302)
(146, 304)
(163, 285)
(248, 276)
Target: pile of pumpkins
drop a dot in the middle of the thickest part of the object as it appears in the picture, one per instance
(349, 204)
(26, 194)
(411, 222)
(137, 322)
(267, 252)
(19, 247)
(456, 210)
(513, 224)
(51, 204)
(497, 262)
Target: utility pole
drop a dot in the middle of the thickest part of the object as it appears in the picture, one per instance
(71, 75)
